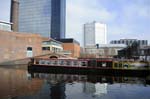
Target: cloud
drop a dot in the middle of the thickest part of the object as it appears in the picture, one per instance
(88, 11)
(80, 12)
(133, 20)
(124, 18)
(137, 10)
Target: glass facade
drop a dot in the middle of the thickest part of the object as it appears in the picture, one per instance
(35, 16)
(58, 19)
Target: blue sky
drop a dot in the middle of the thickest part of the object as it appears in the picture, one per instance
(124, 18)
(4, 10)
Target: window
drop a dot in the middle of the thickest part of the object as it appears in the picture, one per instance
(45, 48)
(29, 48)
(29, 52)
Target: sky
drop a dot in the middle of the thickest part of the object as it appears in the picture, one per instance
(128, 19)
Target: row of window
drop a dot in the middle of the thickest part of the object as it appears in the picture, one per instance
(53, 49)
(63, 62)
(52, 43)
(141, 42)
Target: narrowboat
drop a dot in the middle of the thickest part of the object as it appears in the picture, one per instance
(97, 66)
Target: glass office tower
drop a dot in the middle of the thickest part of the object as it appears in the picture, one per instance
(45, 17)
(58, 18)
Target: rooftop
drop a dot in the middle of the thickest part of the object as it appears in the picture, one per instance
(3, 22)
(68, 40)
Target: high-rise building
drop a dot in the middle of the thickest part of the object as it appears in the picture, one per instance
(44, 17)
(58, 13)
(95, 33)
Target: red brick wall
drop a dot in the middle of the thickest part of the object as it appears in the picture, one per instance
(14, 45)
(74, 48)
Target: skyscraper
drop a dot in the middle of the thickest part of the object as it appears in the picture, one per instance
(58, 8)
(45, 17)
(95, 33)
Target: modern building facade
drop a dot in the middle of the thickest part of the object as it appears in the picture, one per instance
(129, 42)
(44, 17)
(52, 46)
(95, 33)
(58, 13)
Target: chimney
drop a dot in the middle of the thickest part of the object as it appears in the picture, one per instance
(14, 15)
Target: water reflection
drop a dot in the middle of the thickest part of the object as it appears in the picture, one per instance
(96, 90)
(15, 82)
(19, 84)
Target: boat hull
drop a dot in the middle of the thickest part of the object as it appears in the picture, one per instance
(88, 70)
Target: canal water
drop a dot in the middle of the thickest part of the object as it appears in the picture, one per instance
(17, 83)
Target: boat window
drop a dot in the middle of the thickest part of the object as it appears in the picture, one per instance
(120, 65)
(55, 62)
(61, 62)
(48, 62)
(115, 65)
(68, 62)
(83, 63)
(42, 62)
(104, 64)
(125, 65)
(75, 63)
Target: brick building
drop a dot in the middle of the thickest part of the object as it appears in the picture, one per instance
(15, 45)
(71, 45)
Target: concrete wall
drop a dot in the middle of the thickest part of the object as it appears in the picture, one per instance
(14, 45)
(102, 51)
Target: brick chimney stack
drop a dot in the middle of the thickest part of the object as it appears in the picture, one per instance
(14, 15)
